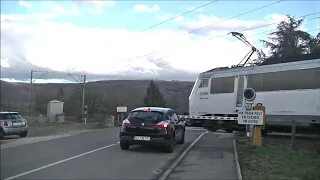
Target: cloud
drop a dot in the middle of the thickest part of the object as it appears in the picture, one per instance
(41, 11)
(26, 4)
(108, 3)
(215, 24)
(146, 8)
(95, 6)
(114, 53)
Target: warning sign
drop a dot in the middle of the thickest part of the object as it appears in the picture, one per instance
(254, 117)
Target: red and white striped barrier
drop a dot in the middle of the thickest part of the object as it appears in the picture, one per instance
(209, 117)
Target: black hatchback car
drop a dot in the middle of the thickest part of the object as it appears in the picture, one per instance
(152, 126)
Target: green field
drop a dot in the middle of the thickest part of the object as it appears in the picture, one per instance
(276, 160)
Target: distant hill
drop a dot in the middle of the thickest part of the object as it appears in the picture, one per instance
(101, 96)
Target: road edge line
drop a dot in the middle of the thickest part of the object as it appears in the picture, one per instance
(182, 155)
(59, 162)
(236, 158)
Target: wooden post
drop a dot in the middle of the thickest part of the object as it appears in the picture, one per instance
(257, 138)
(293, 134)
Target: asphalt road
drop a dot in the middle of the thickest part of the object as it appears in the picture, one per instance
(93, 155)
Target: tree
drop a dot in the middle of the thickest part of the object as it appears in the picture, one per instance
(261, 57)
(289, 40)
(153, 96)
(314, 44)
(42, 100)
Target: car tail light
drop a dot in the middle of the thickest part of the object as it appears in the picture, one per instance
(5, 123)
(163, 125)
(126, 123)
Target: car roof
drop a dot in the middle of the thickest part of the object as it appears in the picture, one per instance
(8, 112)
(158, 109)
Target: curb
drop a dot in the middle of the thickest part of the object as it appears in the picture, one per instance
(236, 158)
(176, 162)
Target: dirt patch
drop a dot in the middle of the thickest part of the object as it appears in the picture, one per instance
(277, 160)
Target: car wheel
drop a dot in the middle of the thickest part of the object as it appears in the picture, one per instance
(23, 134)
(229, 130)
(124, 146)
(181, 141)
(170, 148)
(1, 133)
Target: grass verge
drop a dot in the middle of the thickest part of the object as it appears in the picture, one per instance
(278, 161)
(37, 128)
(46, 129)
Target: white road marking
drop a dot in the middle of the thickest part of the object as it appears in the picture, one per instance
(59, 162)
(195, 129)
(176, 162)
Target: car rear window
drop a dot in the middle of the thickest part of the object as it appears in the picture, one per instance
(10, 116)
(154, 116)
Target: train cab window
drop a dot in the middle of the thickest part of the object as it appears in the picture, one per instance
(204, 83)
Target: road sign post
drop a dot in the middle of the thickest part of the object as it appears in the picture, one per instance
(252, 116)
(121, 110)
(85, 112)
(249, 96)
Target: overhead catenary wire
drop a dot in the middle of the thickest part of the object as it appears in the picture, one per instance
(259, 8)
(175, 17)
(239, 15)
(210, 25)
(168, 63)
(257, 27)
(210, 38)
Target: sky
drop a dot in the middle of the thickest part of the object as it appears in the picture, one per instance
(119, 39)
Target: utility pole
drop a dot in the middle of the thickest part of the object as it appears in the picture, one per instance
(30, 91)
(31, 82)
(83, 96)
(83, 82)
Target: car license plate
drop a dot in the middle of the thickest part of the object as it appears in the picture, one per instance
(16, 124)
(141, 138)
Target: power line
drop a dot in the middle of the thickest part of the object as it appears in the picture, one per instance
(210, 25)
(205, 26)
(266, 25)
(256, 27)
(178, 16)
(187, 12)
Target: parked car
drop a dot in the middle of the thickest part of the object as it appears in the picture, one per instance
(152, 126)
(12, 123)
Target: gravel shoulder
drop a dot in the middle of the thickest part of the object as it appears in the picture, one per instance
(38, 132)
